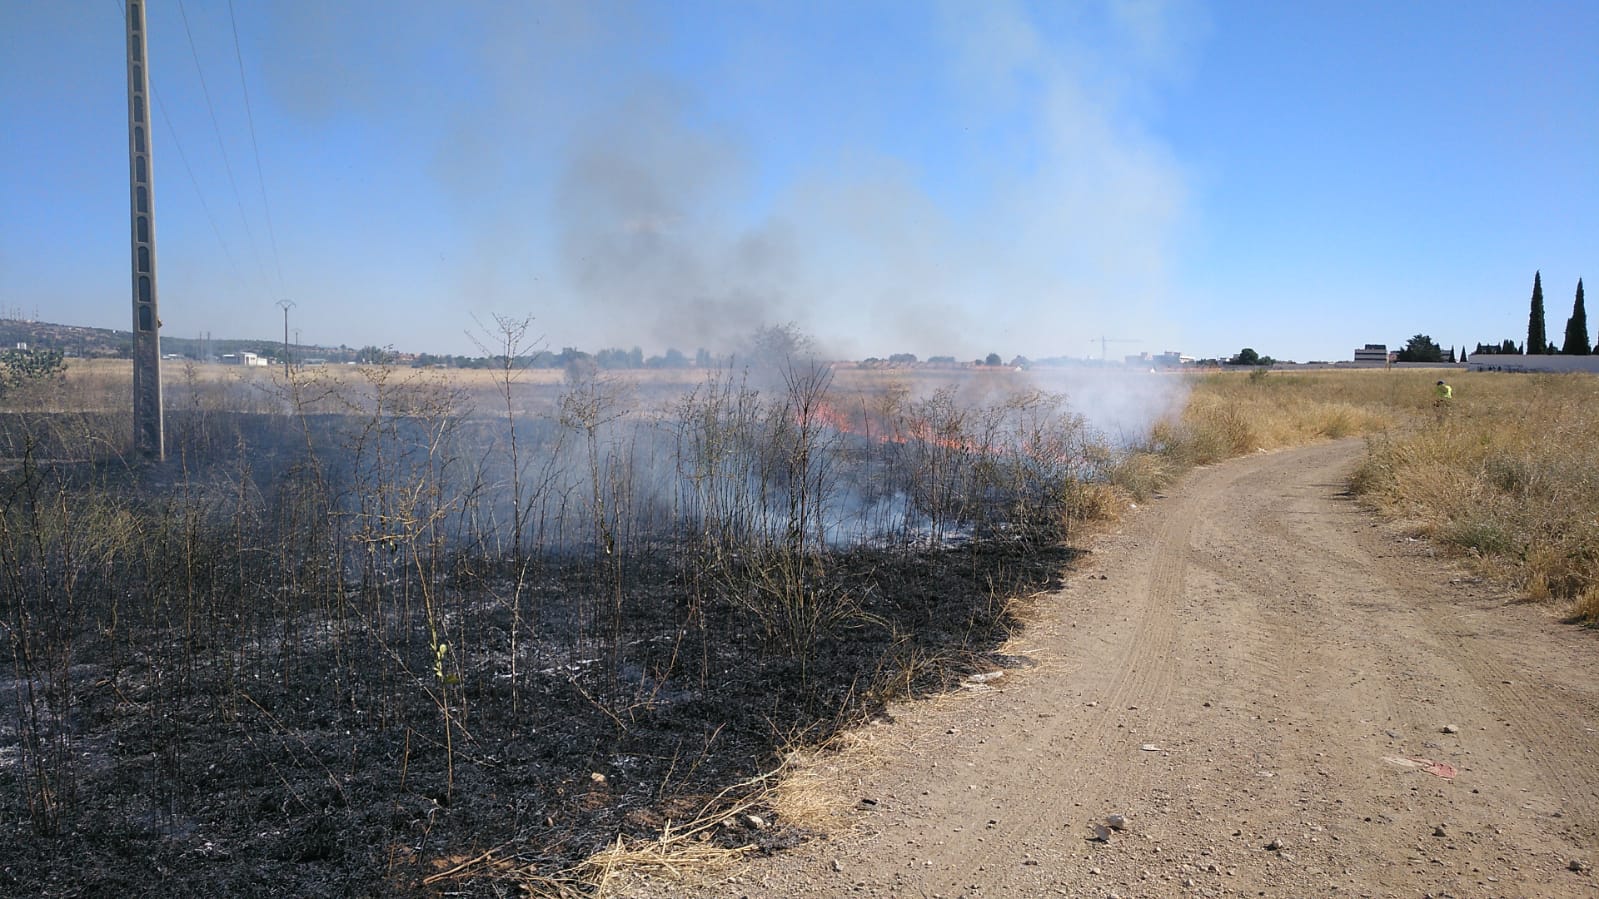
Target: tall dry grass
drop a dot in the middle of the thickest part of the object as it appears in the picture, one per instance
(1510, 476)
(1234, 413)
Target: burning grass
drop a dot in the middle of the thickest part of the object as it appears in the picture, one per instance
(402, 648)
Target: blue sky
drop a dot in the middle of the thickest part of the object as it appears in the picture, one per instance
(952, 178)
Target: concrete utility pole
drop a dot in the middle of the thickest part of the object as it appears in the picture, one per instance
(148, 428)
(287, 305)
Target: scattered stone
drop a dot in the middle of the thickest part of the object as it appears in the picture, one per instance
(838, 866)
(984, 677)
(1439, 831)
(1451, 729)
(1577, 865)
(1101, 833)
(1116, 822)
(753, 822)
(1275, 845)
(597, 777)
(1149, 747)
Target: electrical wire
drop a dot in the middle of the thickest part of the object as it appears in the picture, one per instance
(255, 147)
(233, 265)
(222, 146)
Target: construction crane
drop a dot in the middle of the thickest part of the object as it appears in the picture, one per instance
(1104, 342)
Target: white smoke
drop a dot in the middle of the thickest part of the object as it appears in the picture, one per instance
(614, 197)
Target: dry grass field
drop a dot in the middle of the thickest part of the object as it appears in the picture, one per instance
(1509, 475)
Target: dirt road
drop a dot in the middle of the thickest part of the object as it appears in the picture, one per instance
(1258, 675)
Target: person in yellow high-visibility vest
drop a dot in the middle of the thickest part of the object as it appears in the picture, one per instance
(1443, 398)
(1445, 392)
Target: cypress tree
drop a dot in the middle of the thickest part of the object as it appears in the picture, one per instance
(1577, 329)
(1537, 334)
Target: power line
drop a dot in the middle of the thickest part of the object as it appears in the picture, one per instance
(255, 147)
(216, 229)
(222, 145)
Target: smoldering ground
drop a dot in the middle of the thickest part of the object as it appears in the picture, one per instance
(323, 652)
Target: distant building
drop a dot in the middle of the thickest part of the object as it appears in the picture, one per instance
(245, 359)
(1374, 352)
(1168, 359)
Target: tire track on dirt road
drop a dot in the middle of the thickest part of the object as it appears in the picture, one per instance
(1281, 647)
(1137, 677)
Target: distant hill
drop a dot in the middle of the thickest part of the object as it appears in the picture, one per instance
(70, 339)
(80, 342)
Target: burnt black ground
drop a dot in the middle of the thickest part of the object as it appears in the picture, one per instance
(263, 759)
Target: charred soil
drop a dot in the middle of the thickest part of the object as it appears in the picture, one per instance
(257, 733)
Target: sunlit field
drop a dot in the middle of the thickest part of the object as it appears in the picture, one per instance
(1508, 475)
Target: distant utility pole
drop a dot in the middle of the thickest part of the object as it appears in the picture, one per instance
(287, 305)
(148, 430)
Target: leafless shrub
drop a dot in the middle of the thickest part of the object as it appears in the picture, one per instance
(342, 565)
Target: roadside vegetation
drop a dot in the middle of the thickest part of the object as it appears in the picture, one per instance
(1232, 413)
(1508, 475)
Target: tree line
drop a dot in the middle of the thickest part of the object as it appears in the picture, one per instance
(1576, 342)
